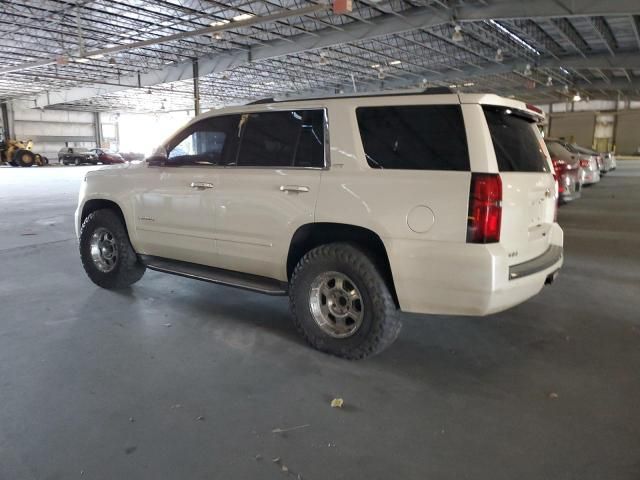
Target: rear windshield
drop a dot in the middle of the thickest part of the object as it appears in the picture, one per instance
(515, 141)
(557, 150)
(414, 137)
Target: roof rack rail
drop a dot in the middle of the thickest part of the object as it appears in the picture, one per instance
(426, 91)
(437, 91)
(262, 100)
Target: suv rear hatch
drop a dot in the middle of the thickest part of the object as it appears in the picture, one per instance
(528, 185)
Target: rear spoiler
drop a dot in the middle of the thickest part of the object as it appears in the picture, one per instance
(526, 109)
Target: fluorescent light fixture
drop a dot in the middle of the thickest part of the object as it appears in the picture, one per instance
(219, 23)
(375, 65)
(395, 62)
(577, 97)
(514, 37)
(469, 84)
(82, 60)
(565, 71)
(97, 56)
(243, 16)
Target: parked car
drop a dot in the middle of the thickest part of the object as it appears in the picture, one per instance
(588, 162)
(356, 207)
(599, 158)
(569, 174)
(76, 156)
(609, 161)
(107, 157)
(132, 156)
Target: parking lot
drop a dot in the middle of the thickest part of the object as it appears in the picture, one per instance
(175, 378)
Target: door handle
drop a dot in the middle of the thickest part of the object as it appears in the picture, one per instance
(293, 188)
(201, 185)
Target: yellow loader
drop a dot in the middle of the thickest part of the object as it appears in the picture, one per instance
(18, 154)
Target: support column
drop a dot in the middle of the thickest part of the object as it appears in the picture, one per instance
(196, 88)
(97, 126)
(5, 121)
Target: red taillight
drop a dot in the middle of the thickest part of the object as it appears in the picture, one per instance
(559, 165)
(584, 163)
(485, 208)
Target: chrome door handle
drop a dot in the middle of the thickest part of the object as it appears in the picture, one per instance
(201, 185)
(293, 188)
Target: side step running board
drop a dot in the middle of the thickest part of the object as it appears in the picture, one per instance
(255, 283)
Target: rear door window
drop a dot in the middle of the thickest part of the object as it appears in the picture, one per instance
(282, 139)
(515, 141)
(425, 137)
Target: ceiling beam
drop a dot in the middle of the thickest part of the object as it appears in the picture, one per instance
(387, 24)
(635, 23)
(604, 31)
(604, 61)
(569, 32)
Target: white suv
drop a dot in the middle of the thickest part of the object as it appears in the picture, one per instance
(356, 207)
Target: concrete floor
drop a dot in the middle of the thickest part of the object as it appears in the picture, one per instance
(178, 379)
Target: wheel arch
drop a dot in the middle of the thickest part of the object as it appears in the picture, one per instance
(311, 235)
(95, 204)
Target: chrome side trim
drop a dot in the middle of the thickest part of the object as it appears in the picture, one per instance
(538, 264)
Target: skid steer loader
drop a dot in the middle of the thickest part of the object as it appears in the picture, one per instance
(18, 154)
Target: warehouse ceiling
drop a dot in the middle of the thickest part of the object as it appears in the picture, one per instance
(137, 55)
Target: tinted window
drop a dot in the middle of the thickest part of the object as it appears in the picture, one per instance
(414, 137)
(515, 141)
(557, 150)
(283, 139)
(207, 142)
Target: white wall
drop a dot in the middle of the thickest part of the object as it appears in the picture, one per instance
(51, 130)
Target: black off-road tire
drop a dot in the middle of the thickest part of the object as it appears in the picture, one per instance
(381, 323)
(128, 269)
(21, 154)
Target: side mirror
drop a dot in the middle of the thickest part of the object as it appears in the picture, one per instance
(158, 157)
(156, 160)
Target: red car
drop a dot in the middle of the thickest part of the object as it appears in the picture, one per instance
(107, 157)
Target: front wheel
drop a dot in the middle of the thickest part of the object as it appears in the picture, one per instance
(342, 304)
(106, 253)
(24, 158)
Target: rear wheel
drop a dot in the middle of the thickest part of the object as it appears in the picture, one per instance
(77, 162)
(106, 253)
(24, 158)
(341, 303)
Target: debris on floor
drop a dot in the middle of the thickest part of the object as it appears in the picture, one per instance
(282, 430)
(553, 395)
(200, 418)
(167, 325)
(337, 403)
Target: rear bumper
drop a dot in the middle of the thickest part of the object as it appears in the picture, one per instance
(467, 279)
(591, 177)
